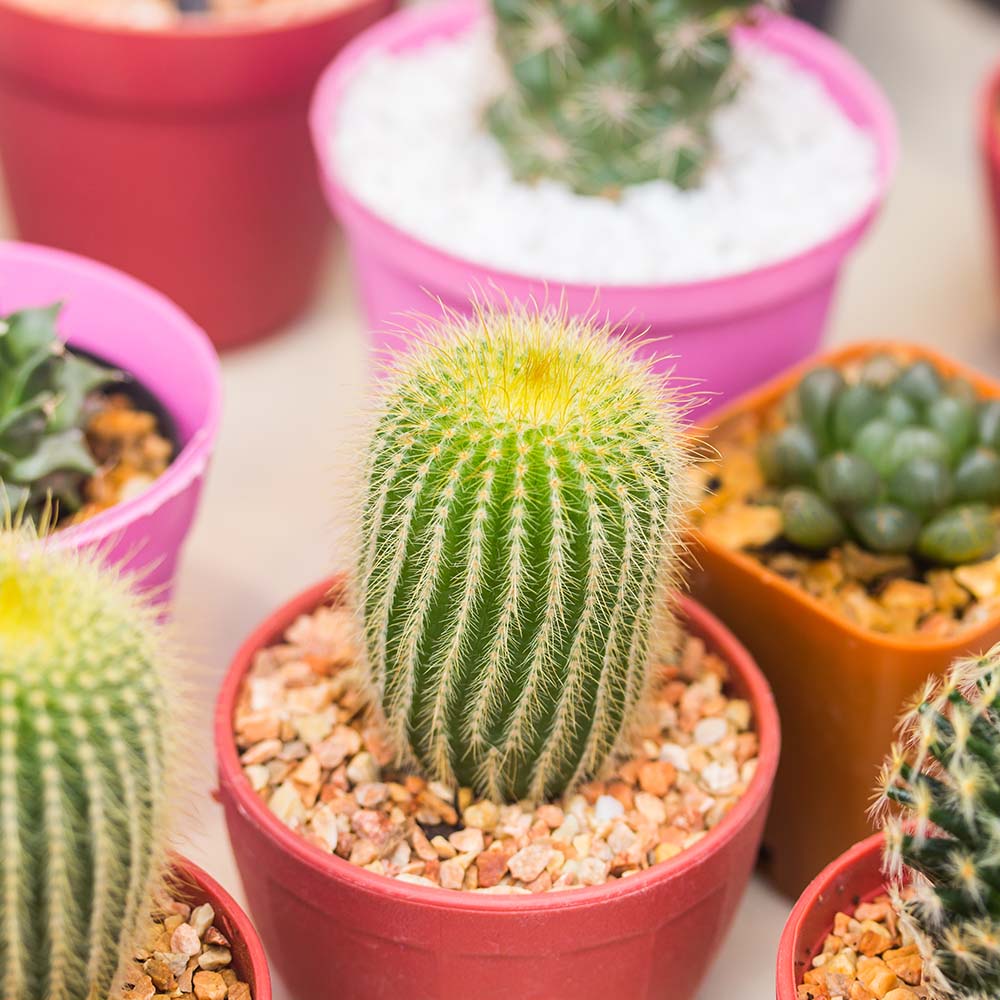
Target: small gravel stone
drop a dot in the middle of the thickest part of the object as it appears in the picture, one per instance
(708, 732)
(529, 862)
(185, 940)
(608, 808)
(215, 958)
(209, 986)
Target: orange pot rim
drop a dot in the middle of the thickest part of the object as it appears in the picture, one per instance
(764, 397)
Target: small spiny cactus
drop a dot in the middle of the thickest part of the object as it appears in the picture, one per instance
(944, 832)
(84, 706)
(520, 522)
(604, 94)
(43, 397)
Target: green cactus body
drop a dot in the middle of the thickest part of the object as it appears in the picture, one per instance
(605, 94)
(83, 778)
(519, 532)
(896, 457)
(43, 392)
(942, 788)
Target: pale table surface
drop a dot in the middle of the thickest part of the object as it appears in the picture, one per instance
(268, 526)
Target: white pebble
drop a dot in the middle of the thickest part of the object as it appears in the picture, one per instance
(720, 778)
(791, 170)
(608, 808)
(676, 755)
(710, 731)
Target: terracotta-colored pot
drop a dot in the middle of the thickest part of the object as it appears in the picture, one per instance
(249, 963)
(839, 687)
(355, 935)
(989, 145)
(854, 877)
(181, 155)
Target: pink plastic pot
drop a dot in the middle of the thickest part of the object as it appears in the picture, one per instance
(731, 333)
(136, 329)
(179, 155)
(855, 876)
(249, 963)
(989, 145)
(353, 934)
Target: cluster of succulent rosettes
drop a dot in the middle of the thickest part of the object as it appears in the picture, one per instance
(43, 410)
(900, 459)
(84, 704)
(522, 508)
(605, 94)
(941, 788)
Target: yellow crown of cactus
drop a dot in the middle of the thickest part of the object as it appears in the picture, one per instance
(520, 527)
(84, 704)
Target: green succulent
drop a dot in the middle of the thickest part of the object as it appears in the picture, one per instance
(940, 790)
(899, 459)
(43, 412)
(523, 503)
(605, 94)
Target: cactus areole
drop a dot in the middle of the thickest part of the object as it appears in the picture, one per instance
(82, 771)
(523, 490)
(605, 93)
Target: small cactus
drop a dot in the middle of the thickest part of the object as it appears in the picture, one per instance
(898, 458)
(84, 703)
(605, 94)
(520, 528)
(941, 788)
(43, 395)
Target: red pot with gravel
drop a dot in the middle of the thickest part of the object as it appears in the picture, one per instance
(180, 154)
(326, 920)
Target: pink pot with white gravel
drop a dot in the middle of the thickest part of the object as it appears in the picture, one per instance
(132, 327)
(728, 331)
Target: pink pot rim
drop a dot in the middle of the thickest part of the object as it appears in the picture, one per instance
(451, 17)
(989, 118)
(861, 853)
(237, 918)
(251, 807)
(192, 460)
(191, 29)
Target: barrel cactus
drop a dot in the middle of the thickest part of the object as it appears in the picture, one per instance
(942, 789)
(603, 94)
(896, 456)
(84, 708)
(43, 395)
(519, 533)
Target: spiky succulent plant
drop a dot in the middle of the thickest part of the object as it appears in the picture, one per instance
(895, 456)
(942, 789)
(520, 523)
(603, 94)
(85, 701)
(43, 392)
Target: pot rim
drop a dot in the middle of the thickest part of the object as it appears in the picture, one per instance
(209, 28)
(989, 117)
(766, 396)
(394, 30)
(192, 459)
(184, 868)
(758, 692)
(860, 853)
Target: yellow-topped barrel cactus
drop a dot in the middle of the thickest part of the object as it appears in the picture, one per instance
(84, 704)
(523, 494)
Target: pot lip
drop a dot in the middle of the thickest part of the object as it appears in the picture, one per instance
(208, 30)
(237, 917)
(989, 116)
(766, 395)
(860, 854)
(192, 459)
(333, 867)
(395, 29)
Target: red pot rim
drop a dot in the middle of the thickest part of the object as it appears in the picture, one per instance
(250, 805)
(192, 28)
(451, 16)
(791, 944)
(989, 118)
(190, 462)
(258, 974)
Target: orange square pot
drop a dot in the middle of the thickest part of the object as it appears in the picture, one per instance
(839, 688)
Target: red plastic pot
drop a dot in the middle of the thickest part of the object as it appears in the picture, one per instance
(355, 935)
(179, 155)
(989, 144)
(249, 963)
(854, 877)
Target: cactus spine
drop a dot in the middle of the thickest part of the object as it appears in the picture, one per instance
(519, 527)
(83, 783)
(945, 780)
(604, 94)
